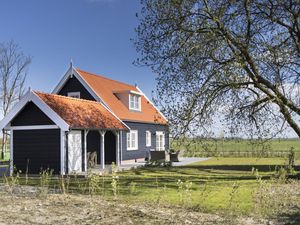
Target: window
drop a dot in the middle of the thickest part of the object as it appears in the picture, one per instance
(148, 138)
(160, 141)
(74, 94)
(134, 102)
(132, 140)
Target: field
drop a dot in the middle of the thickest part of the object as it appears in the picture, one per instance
(238, 147)
(242, 183)
(216, 191)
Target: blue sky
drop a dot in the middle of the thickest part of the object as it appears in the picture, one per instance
(95, 34)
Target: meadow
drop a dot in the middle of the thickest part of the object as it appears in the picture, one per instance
(257, 188)
(237, 147)
(226, 189)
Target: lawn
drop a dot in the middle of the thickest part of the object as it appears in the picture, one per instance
(213, 183)
(216, 185)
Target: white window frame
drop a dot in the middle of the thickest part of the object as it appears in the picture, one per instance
(148, 138)
(74, 94)
(132, 140)
(136, 100)
(160, 146)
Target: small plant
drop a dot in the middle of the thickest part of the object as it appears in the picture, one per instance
(114, 180)
(281, 174)
(132, 188)
(184, 191)
(12, 181)
(204, 193)
(26, 173)
(233, 194)
(62, 185)
(45, 177)
(161, 194)
(93, 183)
(180, 190)
(158, 164)
(291, 161)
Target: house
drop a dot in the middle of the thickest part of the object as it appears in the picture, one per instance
(84, 114)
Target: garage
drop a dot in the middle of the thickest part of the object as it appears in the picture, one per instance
(37, 150)
(50, 132)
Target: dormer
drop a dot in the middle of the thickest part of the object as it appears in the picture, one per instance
(130, 98)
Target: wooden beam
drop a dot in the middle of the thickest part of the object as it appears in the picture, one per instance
(117, 134)
(102, 151)
(11, 162)
(85, 133)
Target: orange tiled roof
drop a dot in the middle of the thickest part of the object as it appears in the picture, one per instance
(79, 113)
(105, 89)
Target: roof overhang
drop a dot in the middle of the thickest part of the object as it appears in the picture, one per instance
(30, 96)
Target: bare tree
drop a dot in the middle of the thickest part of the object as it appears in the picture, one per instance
(13, 71)
(235, 58)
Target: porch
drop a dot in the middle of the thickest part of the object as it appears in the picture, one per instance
(92, 148)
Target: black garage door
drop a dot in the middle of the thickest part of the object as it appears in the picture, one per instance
(36, 150)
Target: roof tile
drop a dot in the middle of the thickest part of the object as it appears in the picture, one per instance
(106, 88)
(79, 113)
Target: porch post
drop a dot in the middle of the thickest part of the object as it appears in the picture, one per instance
(102, 155)
(85, 149)
(118, 148)
(62, 152)
(11, 162)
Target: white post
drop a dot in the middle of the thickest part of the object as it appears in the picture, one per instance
(117, 148)
(121, 147)
(11, 165)
(62, 152)
(85, 149)
(102, 155)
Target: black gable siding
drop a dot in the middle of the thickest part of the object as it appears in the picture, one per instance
(36, 150)
(31, 115)
(142, 149)
(74, 85)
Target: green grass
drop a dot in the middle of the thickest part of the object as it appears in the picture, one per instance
(213, 182)
(242, 161)
(212, 189)
(238, 148)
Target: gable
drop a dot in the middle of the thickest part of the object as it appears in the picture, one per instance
(107, 91)
(74, 85)
(31, 115)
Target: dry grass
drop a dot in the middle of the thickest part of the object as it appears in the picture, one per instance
(27, 207)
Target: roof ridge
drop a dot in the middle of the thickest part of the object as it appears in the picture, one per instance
(68, 97)
(101, 76)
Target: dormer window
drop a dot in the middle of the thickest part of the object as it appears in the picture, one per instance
(74, 94)
(134, 102)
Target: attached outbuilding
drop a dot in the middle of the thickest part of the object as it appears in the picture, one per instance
(55, 132)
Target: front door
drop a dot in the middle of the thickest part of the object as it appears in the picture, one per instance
(74, 151)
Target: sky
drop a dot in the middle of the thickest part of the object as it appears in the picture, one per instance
(94, 34)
